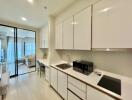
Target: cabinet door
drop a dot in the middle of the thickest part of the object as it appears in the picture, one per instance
(72, 96)
(68, 33)
(62, 84)
(58, 36)
(46, 32)
(47, 73)
(41, 42)
(112, 24)
(93, 94)
(44, 37)
(53, 78)
(82, 30)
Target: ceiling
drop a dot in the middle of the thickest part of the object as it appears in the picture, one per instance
(35, 12)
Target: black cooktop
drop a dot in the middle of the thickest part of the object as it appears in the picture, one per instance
(111, 84)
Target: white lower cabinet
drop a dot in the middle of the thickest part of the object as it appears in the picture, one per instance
(47, 73)
(72, 89)
(62, 84)
(93, 94)
(53, 78)
(72, 96)
(77, 87)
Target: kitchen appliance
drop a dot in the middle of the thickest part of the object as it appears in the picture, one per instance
(111, 84)
(84, 67)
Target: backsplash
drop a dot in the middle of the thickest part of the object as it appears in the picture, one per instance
(115, 62)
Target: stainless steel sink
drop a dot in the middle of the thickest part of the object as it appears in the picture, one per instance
(64, 66)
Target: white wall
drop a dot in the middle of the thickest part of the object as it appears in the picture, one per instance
(116, 62)
(53, 55)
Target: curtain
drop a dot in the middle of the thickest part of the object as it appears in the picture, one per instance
(0, 51)
(20, 48)
(10, 50)
(29, 48)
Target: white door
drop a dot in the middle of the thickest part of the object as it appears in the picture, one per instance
(62, 84)
(112, 24)
(53, 78)
(58, 36)
(82, 30)
(68, 33)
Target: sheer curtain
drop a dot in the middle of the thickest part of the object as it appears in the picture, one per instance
(29, 48)
(20, 48)
(10, 50)
(0, 50)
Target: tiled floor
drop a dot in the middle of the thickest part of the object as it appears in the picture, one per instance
(30, 87)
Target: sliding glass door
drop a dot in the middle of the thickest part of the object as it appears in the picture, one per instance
(17, 50)
(7, 49)
(26, 51)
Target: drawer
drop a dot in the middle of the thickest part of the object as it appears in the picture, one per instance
(72, 96)
(77, 91)
(80, 85)
(93, 94)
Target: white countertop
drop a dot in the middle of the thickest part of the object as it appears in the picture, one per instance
(44, 61)
(93, 79)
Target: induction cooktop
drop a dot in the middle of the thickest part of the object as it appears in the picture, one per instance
(111, 84)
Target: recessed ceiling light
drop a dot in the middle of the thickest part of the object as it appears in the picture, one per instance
(105, 9)
(30, 1)
(107, 49)
(24, 19)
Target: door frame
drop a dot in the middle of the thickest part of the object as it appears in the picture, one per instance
(16, 51)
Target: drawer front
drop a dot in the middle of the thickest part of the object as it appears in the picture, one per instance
(77, 91)
(80, 85)
(93, 94)
(71, 96)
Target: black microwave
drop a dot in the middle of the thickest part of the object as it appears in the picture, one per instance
(84, 67)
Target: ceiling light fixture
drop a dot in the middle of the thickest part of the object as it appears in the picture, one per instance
(24, 19)
(107, 49)
(105, 9)
(30, 1)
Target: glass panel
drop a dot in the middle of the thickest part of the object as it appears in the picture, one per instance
(7, 51)
(26, 51)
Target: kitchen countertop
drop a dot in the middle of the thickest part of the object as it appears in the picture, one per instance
(93, 79)
(44, 61)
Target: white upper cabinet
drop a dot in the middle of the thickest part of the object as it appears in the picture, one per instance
(82, 30)
(58, 36)
(112, 24)
(44, 37)
(68, 33)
